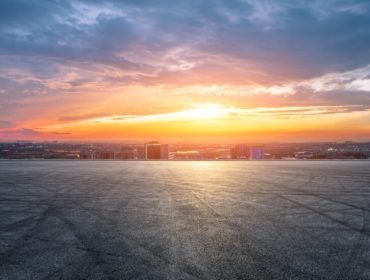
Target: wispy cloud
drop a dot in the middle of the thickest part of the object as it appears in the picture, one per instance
(219, 112)
(22, 132)
(5, 124)
(81, 117)
(29, 133)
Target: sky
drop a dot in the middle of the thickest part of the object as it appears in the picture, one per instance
(196, 70)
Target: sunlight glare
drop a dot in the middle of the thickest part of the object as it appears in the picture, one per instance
(205, 111)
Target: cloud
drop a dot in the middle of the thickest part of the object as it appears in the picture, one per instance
(5, 124)
(284, 40)
(121, 118)
(219, 112)
(31, 133)
(307, 111)
(255, 53)
(59, 133)
(82, 117)
(22, 132)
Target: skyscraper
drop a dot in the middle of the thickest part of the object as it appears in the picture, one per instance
(256, 152)
(155, 150)
(240, 151)
(125, 153)
(140, 152)
(164, 151)
(152, 150)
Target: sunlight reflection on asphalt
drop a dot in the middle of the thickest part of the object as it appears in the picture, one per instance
(184, 220)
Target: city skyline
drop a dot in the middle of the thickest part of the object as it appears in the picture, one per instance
(155, 150)
(193, 71)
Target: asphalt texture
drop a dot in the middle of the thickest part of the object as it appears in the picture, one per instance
(184, 220)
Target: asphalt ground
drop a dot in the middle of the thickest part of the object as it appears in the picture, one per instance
(185, 220)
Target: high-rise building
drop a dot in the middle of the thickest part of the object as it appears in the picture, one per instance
(155, 150)
(256, 152)
(140, 152)
(126, 152)
(240, 151)
(104, 154)
(165, 151)
(303, 155)
(87, 154)
(152, 150)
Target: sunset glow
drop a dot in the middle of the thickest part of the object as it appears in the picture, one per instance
(230, 70)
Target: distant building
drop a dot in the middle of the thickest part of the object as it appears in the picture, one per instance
(105, 155)
(256, 152)
(240, 151)
(152, 150)
(126, 152)
(165, 152)
(87, 154)
(140, 152)
(192, 155)
(155, 150)
(303, 155)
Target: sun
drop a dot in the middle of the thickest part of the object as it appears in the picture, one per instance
(204, 111)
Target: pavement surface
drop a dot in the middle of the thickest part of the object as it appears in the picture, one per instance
(184, 220)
